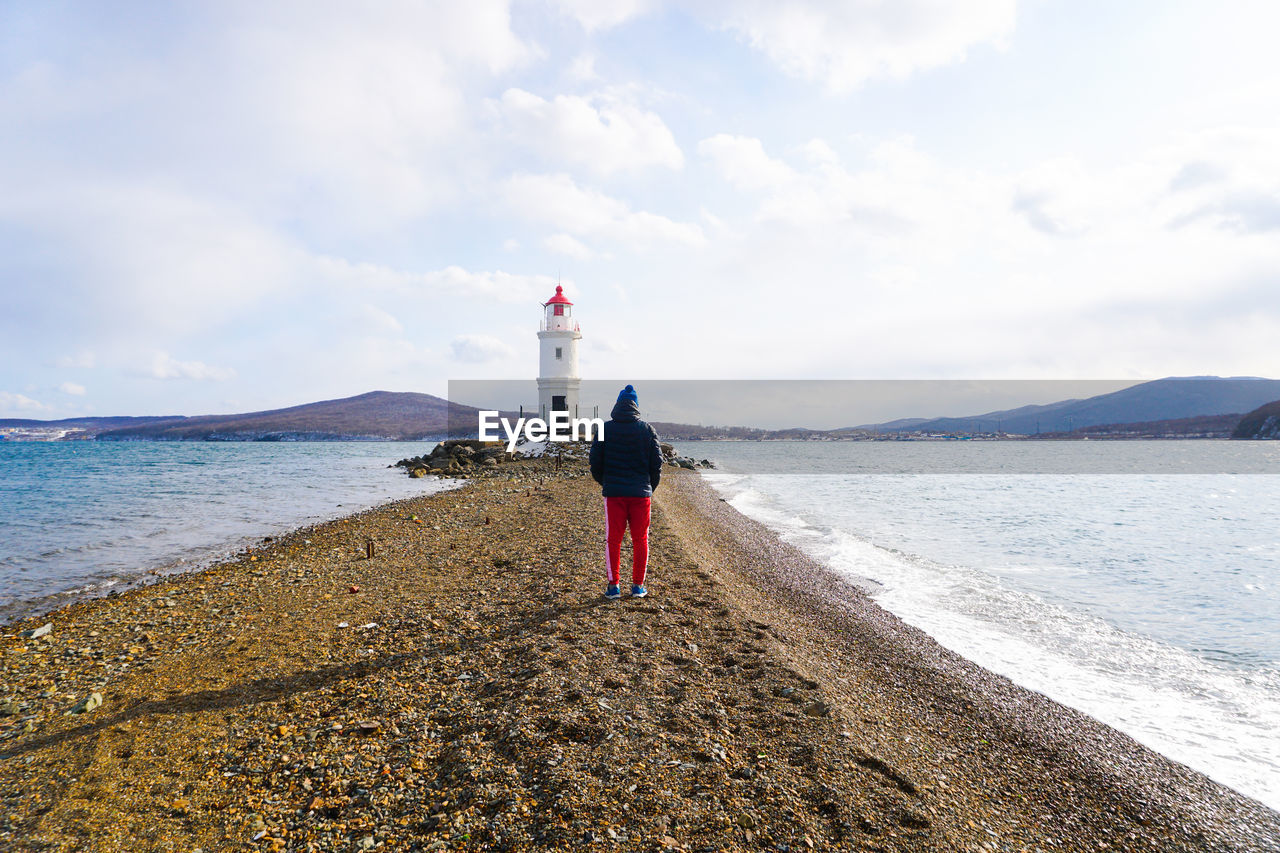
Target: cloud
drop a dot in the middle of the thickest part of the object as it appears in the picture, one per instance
(583, 69)
(565, 245)
(826, 192)
(165, 366)
(559, 202)
(1033, 206)
(140, 255)
(1058, 197)
(1245, 212)
(742, 161)
(452, 282)
(1197, 174)
(845, 43)
(478, 349)
(72, 388)
(371, 316)
(903, 233)
(355, 117)
(84, 359)
(10, 402)
(1227, 179)
(614, 346)
(604, 14)
(365, 107)
(603, 133)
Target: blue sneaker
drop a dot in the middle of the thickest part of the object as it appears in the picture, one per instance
(612, 591)
(638, 591)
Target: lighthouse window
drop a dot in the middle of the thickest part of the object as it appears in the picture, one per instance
(559, 311)
(558, 350)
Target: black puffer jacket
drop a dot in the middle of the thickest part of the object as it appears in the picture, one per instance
(628, 462)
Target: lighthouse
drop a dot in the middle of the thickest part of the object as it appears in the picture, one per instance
(558, 338)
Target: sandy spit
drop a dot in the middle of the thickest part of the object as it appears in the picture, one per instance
(467, 687)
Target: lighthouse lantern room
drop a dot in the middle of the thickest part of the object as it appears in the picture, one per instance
(558, 337)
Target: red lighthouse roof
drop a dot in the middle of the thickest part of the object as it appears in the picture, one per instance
(559, 298)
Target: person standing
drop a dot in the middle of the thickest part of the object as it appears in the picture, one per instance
(627, 463)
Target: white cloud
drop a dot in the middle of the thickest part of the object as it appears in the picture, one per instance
(559, 202)
(603, 132)
(478, 349)
(144, 256)
(73, 388)
(236, 181)
(1054, 198)
(743, 162)
(349, 115)
(826, 193)
(565, 245)
(83, 359)
(604, 14)
(603, 345)
(373, 317)
(365, 102)
(10, 402)
(978, 261)
(165, 366)
(452, 282)
(845, 43)
(583, 69)
(1227, 178)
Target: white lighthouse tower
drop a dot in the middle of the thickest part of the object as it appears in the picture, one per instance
(558, 338)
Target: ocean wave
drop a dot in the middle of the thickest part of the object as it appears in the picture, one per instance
(1204, 709)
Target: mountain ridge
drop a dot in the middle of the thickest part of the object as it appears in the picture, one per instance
(407, 416)
(1171, 398)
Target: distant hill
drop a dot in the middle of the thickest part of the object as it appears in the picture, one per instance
(1262, 422)
(1160, 400)
(1202, 426)
(691, 432)
(1190, 407)
(388, 415)
(87, 424)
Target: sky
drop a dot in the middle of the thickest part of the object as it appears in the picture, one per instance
(232, 206)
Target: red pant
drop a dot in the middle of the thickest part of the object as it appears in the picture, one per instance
(620, 513)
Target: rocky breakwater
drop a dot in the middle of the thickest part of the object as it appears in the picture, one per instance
(457, 457)
(469, 457)
(675, 460)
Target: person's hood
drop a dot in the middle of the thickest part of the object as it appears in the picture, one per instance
(625, 410)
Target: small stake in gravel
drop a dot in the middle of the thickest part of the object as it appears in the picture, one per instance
(368, 549)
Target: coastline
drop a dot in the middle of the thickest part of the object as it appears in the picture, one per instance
(755, 700)
(89, 520)
(197, 559)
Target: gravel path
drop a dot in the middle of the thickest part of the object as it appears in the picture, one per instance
(468, 688)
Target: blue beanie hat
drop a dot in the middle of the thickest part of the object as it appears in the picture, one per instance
(628, 393)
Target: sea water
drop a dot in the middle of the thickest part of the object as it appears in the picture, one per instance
(1149, 600)
(85, 517)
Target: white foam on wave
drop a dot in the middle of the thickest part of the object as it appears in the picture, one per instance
(1222, 721)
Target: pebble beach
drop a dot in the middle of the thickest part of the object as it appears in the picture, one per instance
(443, 673)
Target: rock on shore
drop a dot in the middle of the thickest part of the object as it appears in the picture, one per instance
(465, 457)
(467, 687)
(457, 457)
